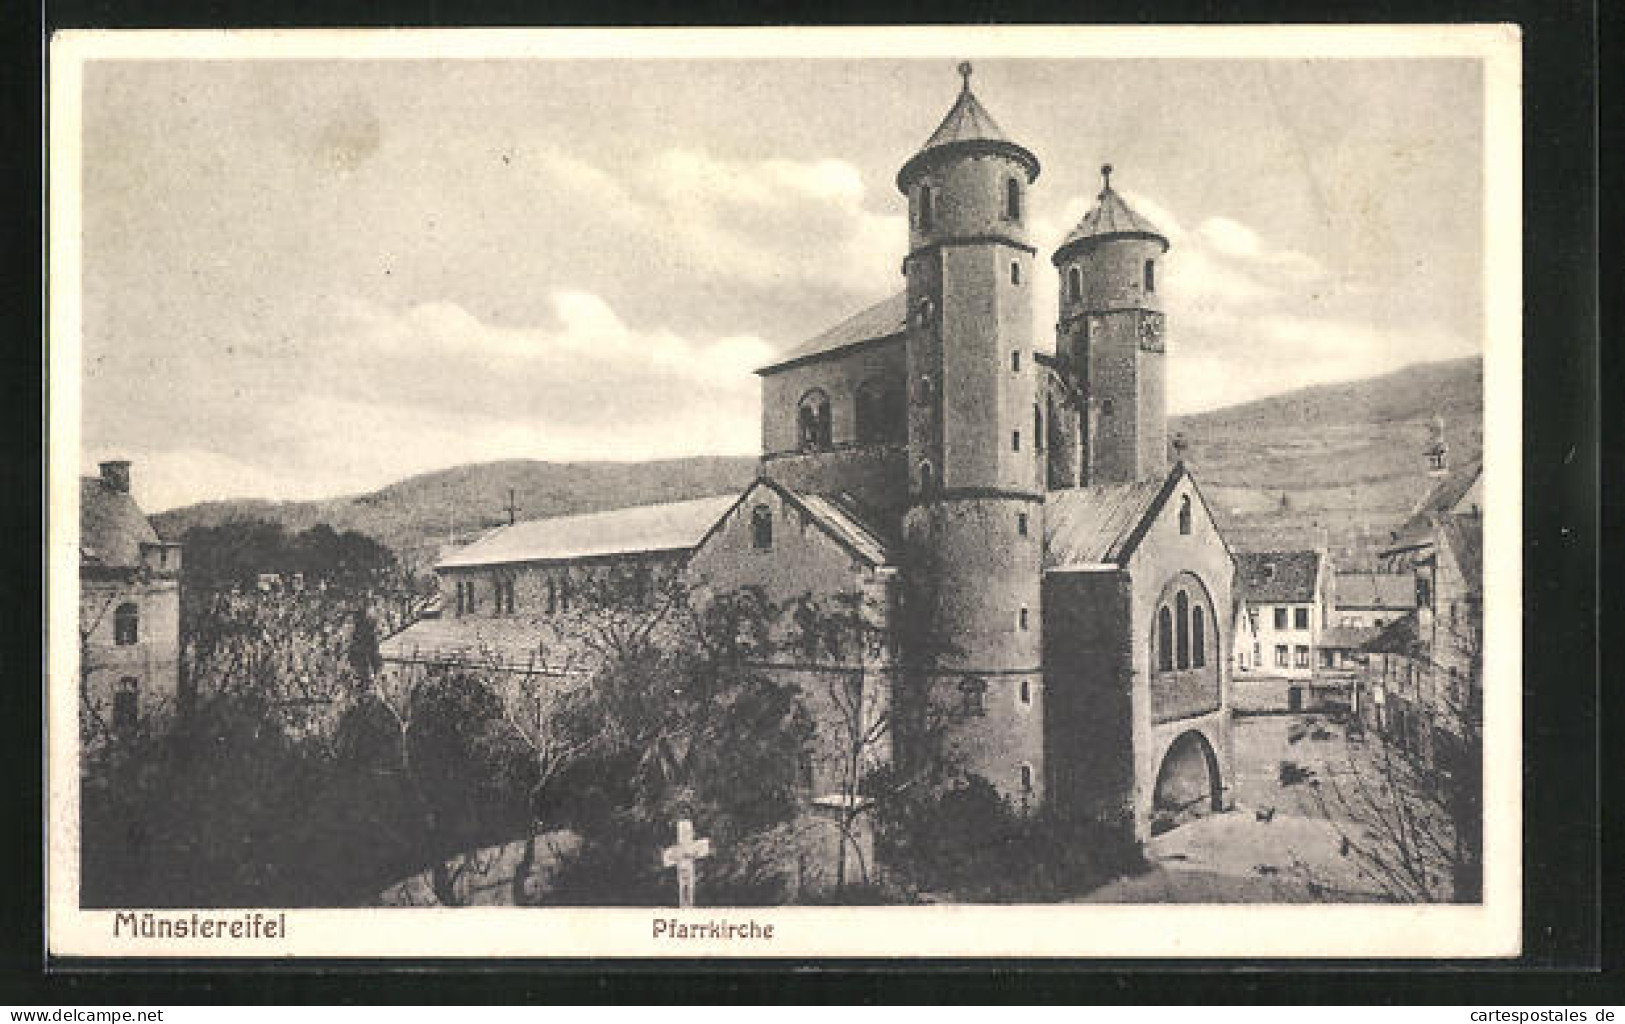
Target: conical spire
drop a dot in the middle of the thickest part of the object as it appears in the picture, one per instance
(967, 127)
(1111, 217)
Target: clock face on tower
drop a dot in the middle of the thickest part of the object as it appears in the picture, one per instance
(1151, 331)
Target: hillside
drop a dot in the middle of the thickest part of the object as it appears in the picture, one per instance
(1345, 458)
(422, 512)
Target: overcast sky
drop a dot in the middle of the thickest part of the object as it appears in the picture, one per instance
(308, 278)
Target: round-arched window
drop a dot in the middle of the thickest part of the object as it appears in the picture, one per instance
(813, 420)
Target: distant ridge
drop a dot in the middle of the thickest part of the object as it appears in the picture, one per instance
(1345, 457)
(419, 514)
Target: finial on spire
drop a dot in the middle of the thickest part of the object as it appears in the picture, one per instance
(1106, 177)
(964, 72)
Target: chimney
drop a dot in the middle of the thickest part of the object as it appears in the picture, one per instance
(116, 475)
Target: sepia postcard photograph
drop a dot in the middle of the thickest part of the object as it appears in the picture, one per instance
(785, 493)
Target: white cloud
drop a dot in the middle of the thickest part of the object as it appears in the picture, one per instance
(759, 222)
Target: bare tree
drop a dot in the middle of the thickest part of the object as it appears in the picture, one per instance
(1407, 807)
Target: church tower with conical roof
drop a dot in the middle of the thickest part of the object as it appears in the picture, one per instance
(1111, 338)
(974, 527)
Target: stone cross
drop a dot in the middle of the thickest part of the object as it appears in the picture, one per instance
(683, 857)
(512, 508)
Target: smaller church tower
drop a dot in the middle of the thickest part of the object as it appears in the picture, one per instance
(1110, 336)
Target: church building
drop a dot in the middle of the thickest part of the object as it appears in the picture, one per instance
(1008, 514)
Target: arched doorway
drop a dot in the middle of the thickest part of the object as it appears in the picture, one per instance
(1188, 783)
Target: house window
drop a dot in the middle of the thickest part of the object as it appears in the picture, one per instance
(973, 697)
(761, 527)
(126, 704)
(1106, 407)
(126, 624)
(1015, 440)
(1026, 691)
(1258, 654)
(1300, 618)
(1300, 656)
(1280, 656)
(813, 420)
(1015, 273)
(1165, 640)
(462, 599)
(1198, 637)
(1074, 283)
(1015, 361)
(1185, 515)
(1021, 524)
(1150, 275)
(1021, 617)
(1012, 199)
(1377, 621)
(1182, 643)
(1280, 618)
(928, 208)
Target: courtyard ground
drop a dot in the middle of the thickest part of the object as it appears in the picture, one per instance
(1278, 843)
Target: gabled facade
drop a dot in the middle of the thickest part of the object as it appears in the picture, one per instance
(1287, 596)
(129, 612)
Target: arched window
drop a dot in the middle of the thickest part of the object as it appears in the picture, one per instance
(928, 208)
(812, 418)
(1185, 514)
(126, 704)
(126, 624)
(1074, 283)
(928, 478)
(761, 527)
(1198, 637)
(1150, 275)
(1012, 199)
(1182, 643)
(1165, 640)
(973, 697)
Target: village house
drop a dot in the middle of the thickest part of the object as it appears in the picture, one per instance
(1286, 596)
(129, 611)
(1423, 685)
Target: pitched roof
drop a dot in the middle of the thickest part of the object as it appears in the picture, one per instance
(1348, 638)
(1278, 576)
(1375, 590)
(1442, 499)
(843, 523)
(112, 527)
(1111, 217)
(674, 526)
(1094, 525)
(967, 125)
(885, 319)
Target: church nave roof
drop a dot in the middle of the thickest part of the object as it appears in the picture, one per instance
(887, 318)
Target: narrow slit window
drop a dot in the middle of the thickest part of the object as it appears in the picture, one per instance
(761, 527)
(927, 208)
(1021, 523)
(1015, 440)
(1021, 618)
(1015, 273)
(1074, 283)
(1012, 199)
(1015, 360)
(1150, 275)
